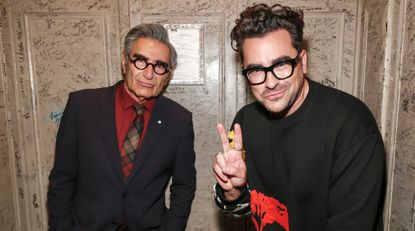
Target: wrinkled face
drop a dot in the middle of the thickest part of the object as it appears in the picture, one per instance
(144, 84)
(278, 96)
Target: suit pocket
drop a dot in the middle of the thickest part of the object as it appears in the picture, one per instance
(82, 218)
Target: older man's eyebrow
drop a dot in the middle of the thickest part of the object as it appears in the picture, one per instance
(139, 56)
(142, 57)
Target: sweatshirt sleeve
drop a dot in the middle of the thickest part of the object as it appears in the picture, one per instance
(357, 186)
(237, 208)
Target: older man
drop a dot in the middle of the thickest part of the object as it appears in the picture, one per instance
(117, 148)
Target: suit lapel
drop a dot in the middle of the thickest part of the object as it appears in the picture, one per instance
(105, 115)
(158, 123)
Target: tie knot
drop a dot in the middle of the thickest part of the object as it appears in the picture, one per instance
(139, 109)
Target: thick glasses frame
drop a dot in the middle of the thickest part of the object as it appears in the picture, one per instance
(293, 62)
(153, 65)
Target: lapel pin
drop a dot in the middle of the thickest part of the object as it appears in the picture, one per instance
(159, 121)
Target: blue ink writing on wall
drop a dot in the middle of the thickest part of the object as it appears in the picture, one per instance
(56, 116)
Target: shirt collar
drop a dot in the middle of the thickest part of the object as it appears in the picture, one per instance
(127, 101)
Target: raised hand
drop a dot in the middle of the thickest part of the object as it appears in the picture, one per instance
(229, 166)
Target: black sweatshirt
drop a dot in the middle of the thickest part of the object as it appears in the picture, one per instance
(321, 168)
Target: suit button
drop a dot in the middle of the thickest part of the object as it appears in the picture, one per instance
(124, 195)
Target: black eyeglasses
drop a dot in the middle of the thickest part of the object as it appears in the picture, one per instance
(141, 63)
(281, 70)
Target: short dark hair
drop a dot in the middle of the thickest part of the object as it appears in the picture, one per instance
(258, 20)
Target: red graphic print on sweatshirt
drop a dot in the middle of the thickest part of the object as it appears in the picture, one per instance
(267, 210)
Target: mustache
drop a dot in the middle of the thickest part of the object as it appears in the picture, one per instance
(279, 87)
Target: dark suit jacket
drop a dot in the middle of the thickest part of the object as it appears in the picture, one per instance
(86, 187)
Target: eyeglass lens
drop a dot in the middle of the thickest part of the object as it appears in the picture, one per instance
(158, 68)
(280, 70)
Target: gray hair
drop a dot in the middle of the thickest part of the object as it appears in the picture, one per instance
(151, 31)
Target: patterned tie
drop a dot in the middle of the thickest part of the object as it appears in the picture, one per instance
(131, 141)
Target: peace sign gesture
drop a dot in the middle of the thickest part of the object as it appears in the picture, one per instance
(229, 166)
